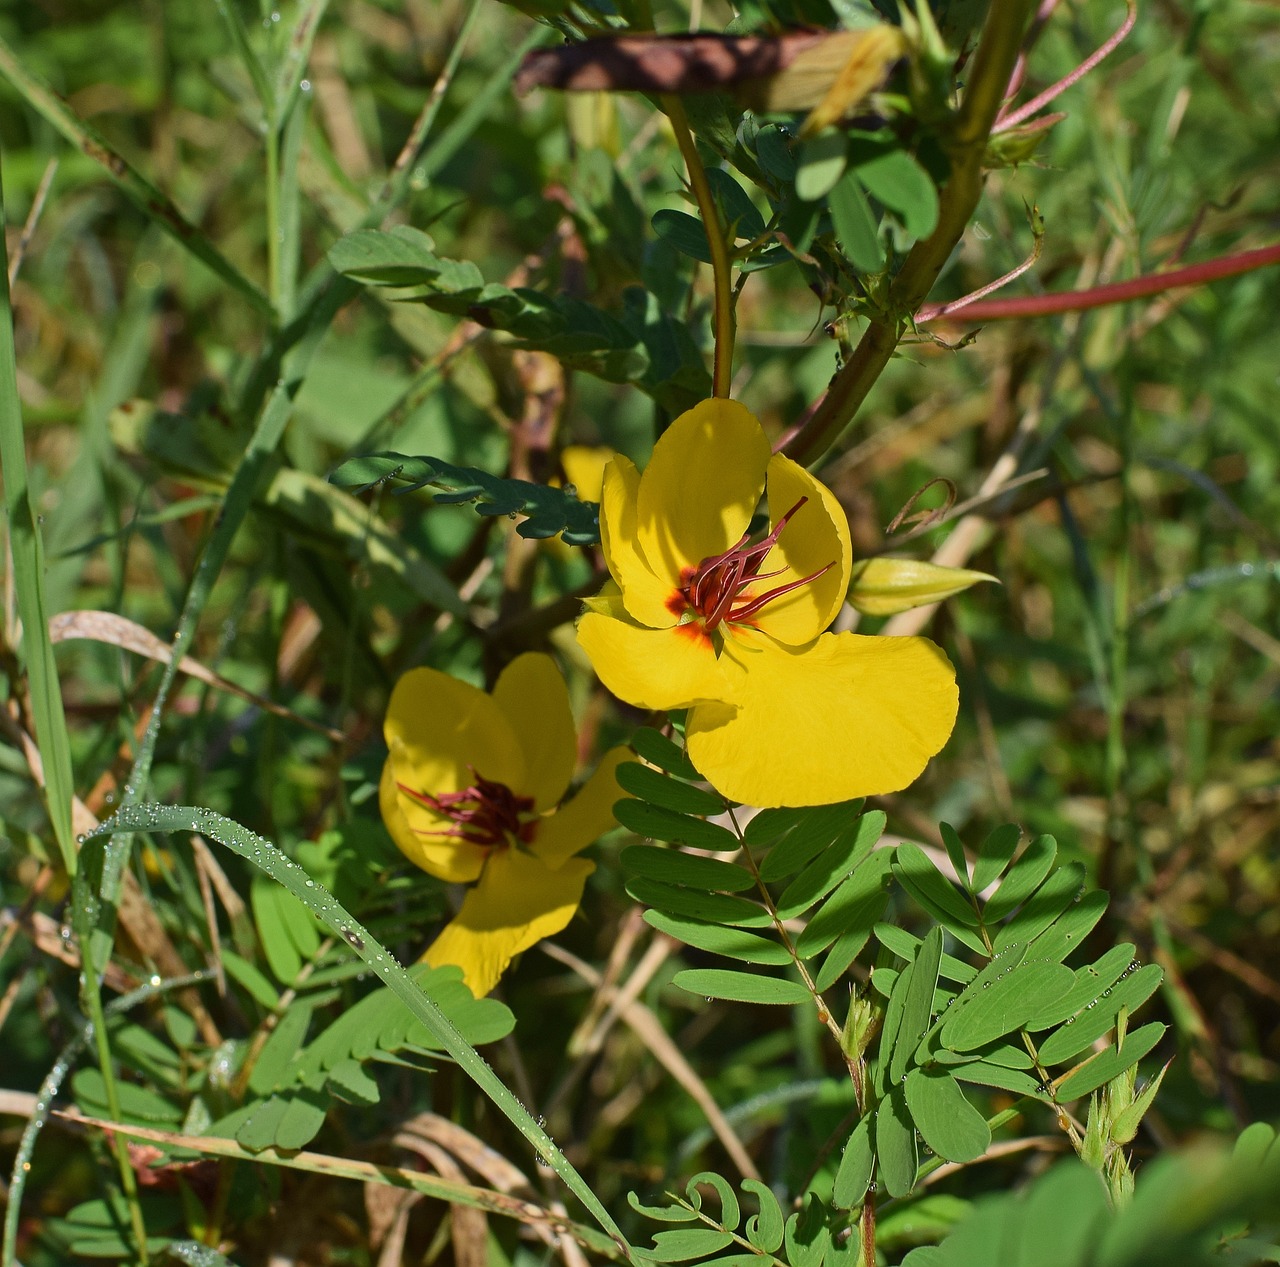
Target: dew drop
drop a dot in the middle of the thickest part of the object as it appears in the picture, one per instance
(353, 939)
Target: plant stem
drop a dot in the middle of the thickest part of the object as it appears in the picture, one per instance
(1019, 306)
(722, 280)
(989, 73)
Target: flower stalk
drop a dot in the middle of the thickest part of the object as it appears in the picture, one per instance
(723, 325)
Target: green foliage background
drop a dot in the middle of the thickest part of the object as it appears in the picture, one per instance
(1120, 689)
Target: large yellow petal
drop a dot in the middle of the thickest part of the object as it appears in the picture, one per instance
(418, 834)
(645, 594)
(532, 694)
(585, 817)
(517, 903)
(652, 668)
(584, 467)
(816, 536)
(702, 485)
(440, 729)
(847, 716)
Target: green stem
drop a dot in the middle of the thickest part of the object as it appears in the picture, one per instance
(721, 273)
(988, 78)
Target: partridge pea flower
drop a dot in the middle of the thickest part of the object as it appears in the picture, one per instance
(701, 614)
(471, 793)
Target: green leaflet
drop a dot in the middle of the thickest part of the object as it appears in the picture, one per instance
(547, 510)
(906, 946)
(1043, 907)
(1024, 877)
(689, 870)
(854, 906)
(1110, 1063)
(856, 1165)
(655, 823)
(673, 794)
(995, 855)
(938, 896)
(1003, 1004)
(733, 943)
(1090, 981)
(896, 1143)
(711, 908)
(829, 867)
(951, 1126)
(665, 753)
(740, 987)
(910, 1008)
(808, 832)
(1131, 990)
(1072, 927)
(764, 1229)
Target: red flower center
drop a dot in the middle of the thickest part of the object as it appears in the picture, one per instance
(486, 813)
(715, 591)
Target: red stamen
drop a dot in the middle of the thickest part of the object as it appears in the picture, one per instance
(488, 814)
(714, 589)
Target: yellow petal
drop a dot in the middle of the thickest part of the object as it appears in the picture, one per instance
(584, 466)
(815, 536)
(883, 587)
(702, 485)
(847, 716)
(418, 834)
(652, 668)
(532, 694)
(644, 593)
(517, 903)
(585, 817)
(440, 729)
(865, 68)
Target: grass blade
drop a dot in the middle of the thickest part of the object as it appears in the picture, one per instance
(27, 551)
(328, 911)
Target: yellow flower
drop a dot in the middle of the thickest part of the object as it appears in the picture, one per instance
(699, 615)
(470, 793)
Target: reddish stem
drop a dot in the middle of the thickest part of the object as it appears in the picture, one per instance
(1116, 292)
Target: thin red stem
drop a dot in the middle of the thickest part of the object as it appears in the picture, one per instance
(1116, 292)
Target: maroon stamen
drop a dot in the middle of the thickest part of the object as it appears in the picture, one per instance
(714, 588)
(486, 813)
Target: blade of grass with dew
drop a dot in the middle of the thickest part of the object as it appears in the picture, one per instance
(274, 863)
(27, 552)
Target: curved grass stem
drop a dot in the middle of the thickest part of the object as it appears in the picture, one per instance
(721, 269)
